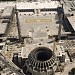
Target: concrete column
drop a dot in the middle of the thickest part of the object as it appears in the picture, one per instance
(35, 11)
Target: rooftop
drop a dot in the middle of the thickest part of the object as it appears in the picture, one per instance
(30, 5)
(47, 22)
(38, 5)
(7, 11)
(72, 21)
(3, 27)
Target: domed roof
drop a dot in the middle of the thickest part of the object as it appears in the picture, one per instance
(41, 58)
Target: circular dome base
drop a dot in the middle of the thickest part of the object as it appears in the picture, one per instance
(41, 59)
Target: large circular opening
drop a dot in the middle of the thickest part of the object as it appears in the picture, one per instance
(43, 54)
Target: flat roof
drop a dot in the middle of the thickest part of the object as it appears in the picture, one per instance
(72, 21)
(7, 11)
(37, 5)
(3, 27)
(5, 4)
(38, 24)
(68, 5)
(31, 5)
